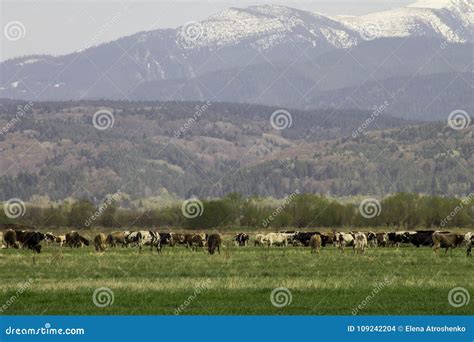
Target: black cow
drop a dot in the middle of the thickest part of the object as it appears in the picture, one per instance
(30, 240)
(74, 239)
(304, 237)
(214, 242)
(241, 239)
(422, 238)
(165, 238)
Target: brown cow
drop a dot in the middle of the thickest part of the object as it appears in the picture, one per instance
(117, 237)
(315, 243)
(446, 240)
(196, 242)
(10, 239)
(100, 241)
(214, 241)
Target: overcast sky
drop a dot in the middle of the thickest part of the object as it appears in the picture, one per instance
(59, 26)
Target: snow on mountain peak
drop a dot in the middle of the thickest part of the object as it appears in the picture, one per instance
(264, 26)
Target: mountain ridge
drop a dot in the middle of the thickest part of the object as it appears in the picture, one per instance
(240, 38)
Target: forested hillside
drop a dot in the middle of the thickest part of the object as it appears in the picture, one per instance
(176, 149)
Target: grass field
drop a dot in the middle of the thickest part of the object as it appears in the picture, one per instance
(385, 281)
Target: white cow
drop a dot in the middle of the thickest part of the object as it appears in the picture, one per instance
(277, 239)
(469, 241)
(1, 241)
(360, 243)
(259, 239)
(61, 240)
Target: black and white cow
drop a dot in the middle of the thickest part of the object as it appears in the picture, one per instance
(144, 238)
(397, 238)
(241, 239)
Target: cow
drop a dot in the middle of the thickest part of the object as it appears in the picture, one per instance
(241, 239)
(277, 239)
(75, 240)
(203, 237)
(177, 238)
(30, 240)
(315, 243)
(360, 243)
(49, 238)
(165, 238)
(115, 238)
(214, 242)
(259, 240)
(397, 238)
(446, 240)
(20, 237)
(61, 240)
(371, 239)
(303, 237)
(381, 239)
(145, 238)
(422, 238)
(290, 235)
(10, 239)
(343, 240)
(100, 242)
(469, 239)
(1, 241)
(196, 241)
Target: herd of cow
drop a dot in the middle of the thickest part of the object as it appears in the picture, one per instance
(358, 241)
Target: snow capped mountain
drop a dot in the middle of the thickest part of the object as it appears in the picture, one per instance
(263, 54)
(267, 26)
(451, 21)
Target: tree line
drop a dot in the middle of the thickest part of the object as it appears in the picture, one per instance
(400, 211)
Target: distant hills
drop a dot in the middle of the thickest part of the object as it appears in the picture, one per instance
(417, 59)
(180, 149)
